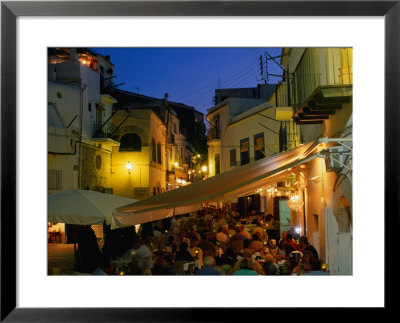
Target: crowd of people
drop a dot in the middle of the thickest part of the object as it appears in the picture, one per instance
(210, 242)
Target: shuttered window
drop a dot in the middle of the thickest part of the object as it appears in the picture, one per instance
(54, 179)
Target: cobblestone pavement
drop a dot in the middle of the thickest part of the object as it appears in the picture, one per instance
(60, 259)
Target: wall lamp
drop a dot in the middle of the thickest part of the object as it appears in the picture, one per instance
(128, 167)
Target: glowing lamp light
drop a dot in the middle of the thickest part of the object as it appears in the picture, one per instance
(295, 203)
(295, 198)
(128, 166)
(183, 181)
(297, 229)
(204, 168)
(179, 181)
(176, 164)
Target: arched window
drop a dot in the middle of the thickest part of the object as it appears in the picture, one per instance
(159, 159)
(153, 150)
(130, 142)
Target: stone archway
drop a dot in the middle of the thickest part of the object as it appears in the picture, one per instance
(344, 217)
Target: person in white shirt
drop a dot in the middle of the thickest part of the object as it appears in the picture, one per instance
(222, 235)
(141, 256)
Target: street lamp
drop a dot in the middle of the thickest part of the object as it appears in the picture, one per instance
(204, 168)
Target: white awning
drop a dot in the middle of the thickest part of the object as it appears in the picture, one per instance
(229, 184)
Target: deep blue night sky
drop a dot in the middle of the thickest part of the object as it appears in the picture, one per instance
(188, 75)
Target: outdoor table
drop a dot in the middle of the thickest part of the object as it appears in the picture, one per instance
(121, 264)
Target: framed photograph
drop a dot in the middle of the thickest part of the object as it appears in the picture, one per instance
(29, 28)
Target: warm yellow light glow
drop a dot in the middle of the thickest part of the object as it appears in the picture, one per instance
(198, 155)
(128, 166)
(295, 198)
(176, 164)
(204, 168)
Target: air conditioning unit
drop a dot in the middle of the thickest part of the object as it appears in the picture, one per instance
(335, 158)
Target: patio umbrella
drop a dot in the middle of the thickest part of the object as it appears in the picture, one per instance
(84, 207)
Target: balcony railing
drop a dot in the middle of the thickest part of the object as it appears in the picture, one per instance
(100, 130)
(214, 133)
(321, 67)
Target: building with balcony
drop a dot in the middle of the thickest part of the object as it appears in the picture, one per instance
(184, 132)
(321, 94)
(138, 165)
(79, 154)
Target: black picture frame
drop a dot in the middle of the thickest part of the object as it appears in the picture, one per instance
(10, 10)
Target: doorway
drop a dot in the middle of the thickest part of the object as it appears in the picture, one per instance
(284, 216)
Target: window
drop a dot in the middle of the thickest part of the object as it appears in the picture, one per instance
(216, 125)
(232, 157)
(130, 142)
(153, 150)
(283, 145)
(90, 106)
(259, 146)
(175, 128)
(244, 151)
(54, 179)
(217, 164)
(98, 162)
(159, 159)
